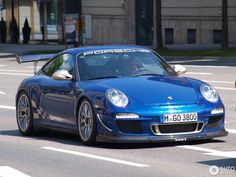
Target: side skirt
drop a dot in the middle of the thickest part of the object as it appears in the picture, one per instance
(72, 129)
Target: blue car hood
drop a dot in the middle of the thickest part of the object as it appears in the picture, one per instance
(158, 90)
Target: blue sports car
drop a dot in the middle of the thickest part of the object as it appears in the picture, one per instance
(117, 94)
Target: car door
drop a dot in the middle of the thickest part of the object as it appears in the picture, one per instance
(58, 95)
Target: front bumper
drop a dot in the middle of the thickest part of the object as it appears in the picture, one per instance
(162, 138)
(141, 129)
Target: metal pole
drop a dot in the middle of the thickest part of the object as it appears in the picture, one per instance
(12, 9)
(64, 31)
(225, 33)
(80, 37)
(45, 20)
(159, 24)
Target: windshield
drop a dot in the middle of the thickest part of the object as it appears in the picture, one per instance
(100, 65)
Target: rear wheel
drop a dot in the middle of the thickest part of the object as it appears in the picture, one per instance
(86, 123)
(24, 114)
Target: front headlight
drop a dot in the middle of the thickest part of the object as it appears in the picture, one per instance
(117, 97)
(209, 93)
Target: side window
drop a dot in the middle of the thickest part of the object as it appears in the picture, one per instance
(61, 62)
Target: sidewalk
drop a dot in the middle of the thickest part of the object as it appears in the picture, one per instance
(196, 46)
(8, 50)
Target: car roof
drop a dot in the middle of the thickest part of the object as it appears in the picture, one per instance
(102, 47)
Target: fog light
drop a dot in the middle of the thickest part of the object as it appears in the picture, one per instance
(127, 116)
(217, 111)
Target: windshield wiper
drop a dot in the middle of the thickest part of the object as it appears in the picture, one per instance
(104, 77)
(147, 74)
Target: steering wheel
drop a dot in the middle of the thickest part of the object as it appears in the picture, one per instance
(139, 71)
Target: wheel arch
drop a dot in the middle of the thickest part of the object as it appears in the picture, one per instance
(18, 94)
(79, 102)
(33, 94)
(30, 128)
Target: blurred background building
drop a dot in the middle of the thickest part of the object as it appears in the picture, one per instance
(124, 21)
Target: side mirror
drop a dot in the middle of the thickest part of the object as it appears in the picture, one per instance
(62, 75)
(179, 69)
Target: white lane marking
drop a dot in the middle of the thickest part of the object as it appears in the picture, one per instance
(16, 74)
(231, 130)
(3, 93)
(198, 73)
(229, 154)
(15, 70)
(219, 82)
(96, 157)
(193, 60)
(6, 171)
(2, 65)
(197, 148)
(33, 66)
(225, 88)
(7, 107)
(207, 66)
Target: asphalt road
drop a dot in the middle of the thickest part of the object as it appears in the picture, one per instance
(62, 155)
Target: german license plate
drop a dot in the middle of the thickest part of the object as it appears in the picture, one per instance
(175, 118)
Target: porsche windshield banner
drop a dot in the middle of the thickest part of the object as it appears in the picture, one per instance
(97, 52)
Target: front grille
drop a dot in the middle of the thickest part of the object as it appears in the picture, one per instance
(177, 128)
(129, 126)
(214, 121)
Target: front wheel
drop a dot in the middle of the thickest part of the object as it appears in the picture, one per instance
(86, 123)
(24, 115)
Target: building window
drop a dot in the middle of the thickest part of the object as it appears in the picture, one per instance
(217, 36)
(50, 9)
(169, 36)
(191, 36)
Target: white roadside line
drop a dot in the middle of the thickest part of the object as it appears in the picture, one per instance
(194, 60)
(96, 157)
(6, 171)
(219, 82)
(2, 65)
(231, 130)
(207, 66)
(225, 88)
(33, 66)
(15, 70)
(3, 93)
(198, 73)
(228, 154)
(15, 74)
(7, 107)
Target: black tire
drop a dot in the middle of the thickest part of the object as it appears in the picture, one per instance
(28, 128)
(91, 139)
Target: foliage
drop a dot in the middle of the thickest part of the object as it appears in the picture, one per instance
(14, 31)
(215, 53)
(3, 32)
(26, 32)
(31, 52)
(54, 66)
